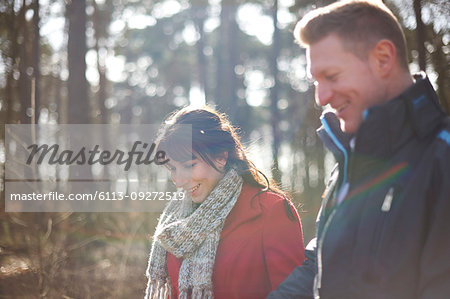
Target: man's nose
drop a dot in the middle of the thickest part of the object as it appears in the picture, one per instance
(323, 94)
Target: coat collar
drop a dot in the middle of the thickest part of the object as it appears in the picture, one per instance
(416, 113)
(387, 127)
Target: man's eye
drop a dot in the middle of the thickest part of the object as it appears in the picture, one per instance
(332, 77)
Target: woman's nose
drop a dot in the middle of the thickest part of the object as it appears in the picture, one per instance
(179, 178)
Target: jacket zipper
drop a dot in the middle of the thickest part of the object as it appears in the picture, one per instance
(385, 208)
(319, 250)
(318, 281)
(387, 202)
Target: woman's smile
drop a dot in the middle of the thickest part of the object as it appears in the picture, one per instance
(193, 189)
(196, 176)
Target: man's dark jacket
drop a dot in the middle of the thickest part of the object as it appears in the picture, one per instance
(389, 237)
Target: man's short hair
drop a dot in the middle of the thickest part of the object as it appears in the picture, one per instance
(360, 24)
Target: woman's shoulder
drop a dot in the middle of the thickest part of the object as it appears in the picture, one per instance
(265, 199)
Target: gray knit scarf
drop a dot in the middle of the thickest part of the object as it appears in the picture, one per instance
(192, 235)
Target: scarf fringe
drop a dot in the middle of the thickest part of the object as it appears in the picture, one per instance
(197, 293)
(158, 290)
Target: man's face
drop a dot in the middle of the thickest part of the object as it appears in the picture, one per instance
(343, 81)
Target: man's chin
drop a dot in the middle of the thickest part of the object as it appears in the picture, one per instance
(348, 127)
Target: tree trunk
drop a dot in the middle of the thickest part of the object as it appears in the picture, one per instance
(420, 34)
(24, 80)
(79, 110)
(226, 60)
(199, 18)
(11, 20)
(101, 111)
(36, 63)
(275, 114)
(440, 63)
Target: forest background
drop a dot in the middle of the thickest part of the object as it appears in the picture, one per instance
(133, 62)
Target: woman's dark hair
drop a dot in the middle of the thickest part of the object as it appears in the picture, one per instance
(212, 134)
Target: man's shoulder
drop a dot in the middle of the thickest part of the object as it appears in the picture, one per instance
(443, 135)
(435, 159)
(442, 145)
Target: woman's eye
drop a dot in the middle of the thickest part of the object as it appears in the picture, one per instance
(189, 165)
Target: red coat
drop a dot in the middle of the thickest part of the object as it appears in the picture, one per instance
(259, 247)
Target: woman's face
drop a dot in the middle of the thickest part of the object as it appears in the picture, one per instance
(196, 176)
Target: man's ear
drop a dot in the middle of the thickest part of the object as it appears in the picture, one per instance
(383, 57)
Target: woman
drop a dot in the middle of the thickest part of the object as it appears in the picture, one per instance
(235, 235)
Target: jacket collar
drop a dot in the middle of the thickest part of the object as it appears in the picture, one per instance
(332, 136)
(335, 140)
(386, 127)
(414, 113)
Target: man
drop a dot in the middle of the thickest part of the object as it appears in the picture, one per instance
(384, 226)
